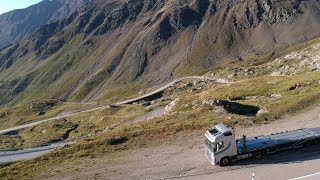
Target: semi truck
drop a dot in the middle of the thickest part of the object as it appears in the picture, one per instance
(221, 147)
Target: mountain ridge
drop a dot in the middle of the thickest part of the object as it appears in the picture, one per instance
(18, 24)
(111, 46)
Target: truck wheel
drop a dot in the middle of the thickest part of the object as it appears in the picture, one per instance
(224, 161)
(257, 154)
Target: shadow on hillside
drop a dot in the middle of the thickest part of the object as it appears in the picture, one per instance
(237, 108)
(149, 98)
(11, 133)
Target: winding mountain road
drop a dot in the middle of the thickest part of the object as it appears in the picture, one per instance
(11, 156)
(102, 107)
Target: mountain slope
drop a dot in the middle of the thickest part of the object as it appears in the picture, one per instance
(18, 24)
(117, 46)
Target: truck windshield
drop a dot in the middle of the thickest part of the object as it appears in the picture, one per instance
(209, 145)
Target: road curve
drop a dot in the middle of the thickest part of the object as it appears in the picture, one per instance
(102, 107)
(162, 89)
(11, 156)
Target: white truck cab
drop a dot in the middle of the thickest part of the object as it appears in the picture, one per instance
(220, 145)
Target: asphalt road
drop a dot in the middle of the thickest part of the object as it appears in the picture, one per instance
(295, 164)
(304, 168)
(11, 156)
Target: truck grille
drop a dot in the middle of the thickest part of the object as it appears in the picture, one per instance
(208, 156)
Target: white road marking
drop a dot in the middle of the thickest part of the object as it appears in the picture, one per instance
(303, 177)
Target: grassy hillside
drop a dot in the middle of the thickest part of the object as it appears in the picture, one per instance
(131, 45)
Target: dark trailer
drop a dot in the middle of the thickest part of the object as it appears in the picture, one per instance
(222, 148)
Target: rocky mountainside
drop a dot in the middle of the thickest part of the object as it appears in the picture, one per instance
(116, 46)
(18, 24)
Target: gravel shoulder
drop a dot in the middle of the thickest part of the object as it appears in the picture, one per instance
(181, 154)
